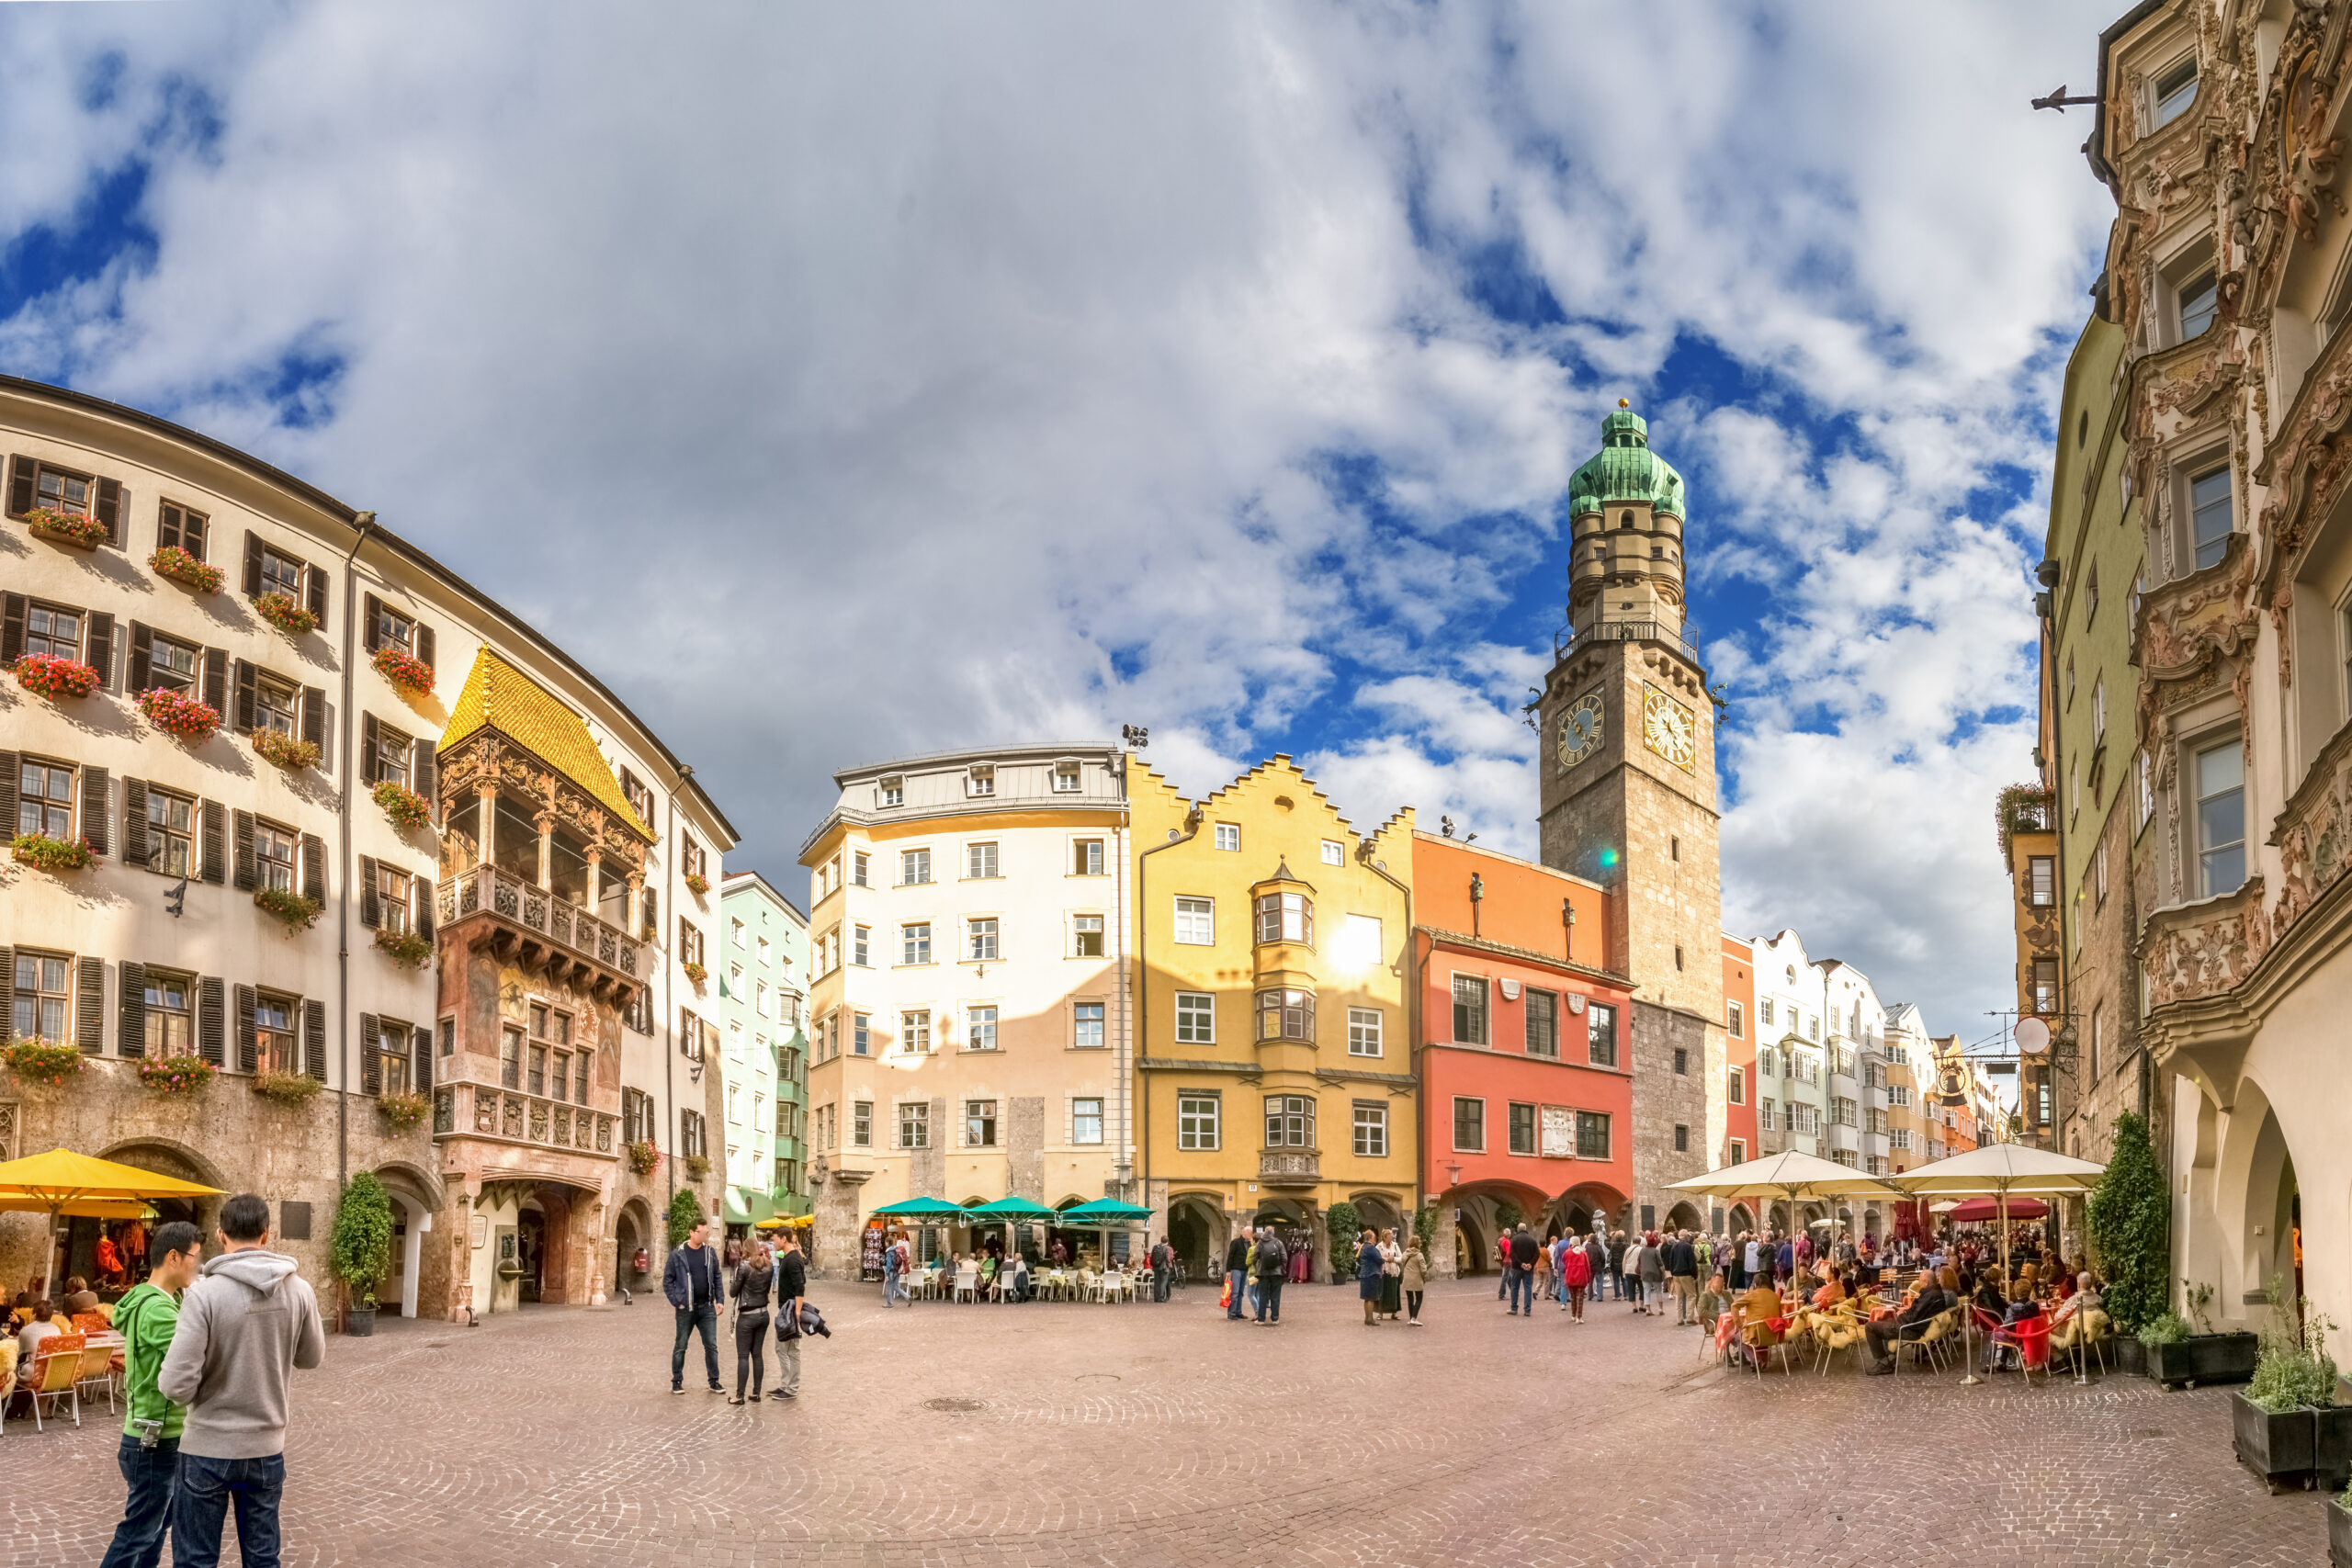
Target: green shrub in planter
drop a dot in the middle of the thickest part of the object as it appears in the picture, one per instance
(684, 1214)
(286, 1089)
(1340, 1223)
(296, 911)
(360, 1250)
(2131, 1229)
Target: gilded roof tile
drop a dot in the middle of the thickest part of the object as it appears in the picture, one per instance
(499, 696)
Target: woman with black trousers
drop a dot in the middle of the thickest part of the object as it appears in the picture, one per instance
(753, 1277)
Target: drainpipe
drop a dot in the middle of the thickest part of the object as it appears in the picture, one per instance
(366, 524)
(1124, 1170)
(1142, 975)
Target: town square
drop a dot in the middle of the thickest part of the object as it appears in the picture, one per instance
(1342, 782)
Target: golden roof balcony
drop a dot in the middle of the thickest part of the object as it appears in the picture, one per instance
(531, 928)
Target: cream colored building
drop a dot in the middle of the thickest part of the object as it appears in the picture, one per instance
(968, 1019)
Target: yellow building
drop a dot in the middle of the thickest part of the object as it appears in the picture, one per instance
(1274, 1066)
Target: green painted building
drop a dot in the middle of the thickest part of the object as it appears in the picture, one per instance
(763, 974)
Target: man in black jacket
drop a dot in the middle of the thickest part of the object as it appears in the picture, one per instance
(1523, 1249)
(691, 1280)
(791, 1285)
(1683, 1271)
(1272, 1258)
(1909, 1323)
(1237, 1271)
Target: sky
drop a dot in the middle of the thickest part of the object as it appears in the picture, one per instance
(846, 383)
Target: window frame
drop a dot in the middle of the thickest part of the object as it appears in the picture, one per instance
(1475, 1123)
(1365, 1033)
(1472, 1020)
(1200, 916)
(1201, 1017)
(1203, 1110)
(1592, 1054)
(1368, 1129)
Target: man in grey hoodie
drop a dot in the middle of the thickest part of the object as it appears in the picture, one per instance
(245, 1322)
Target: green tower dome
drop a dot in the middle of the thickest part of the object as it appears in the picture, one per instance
(1626, 469)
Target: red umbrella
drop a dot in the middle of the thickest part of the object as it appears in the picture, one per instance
(1977, 1209)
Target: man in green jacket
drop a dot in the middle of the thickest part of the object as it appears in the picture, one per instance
(150, 1457)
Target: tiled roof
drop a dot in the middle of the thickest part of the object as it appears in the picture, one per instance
(499, 696)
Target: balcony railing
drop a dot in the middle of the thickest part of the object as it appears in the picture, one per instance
(1625, 631)
(1290, 1167)
(483, 1111)
(540, 912)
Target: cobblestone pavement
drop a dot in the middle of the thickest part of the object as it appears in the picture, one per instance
(971, 1436)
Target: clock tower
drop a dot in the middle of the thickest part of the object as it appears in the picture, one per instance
(1628, 800)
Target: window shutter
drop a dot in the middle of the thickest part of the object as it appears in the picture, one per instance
(89, 1007)
(102, 649)
(253, 564)
(20, 486)
(314, 579)
(143, 659)
(371, 1043)
(93, 808)
(314, 718)
(425, 645)
(243, 716)
(420, 765)
(422, 893)
(314, 868)
(211, 1042)
(248, 1047)
(419, 1058)
(8, 985)
(134, 822)
(8, 777)
(216, 679)
(372, 913)
(370, 633)
(314, 1040)
(248, 874)
(108, 510)
(216, 842)
(652, 916)
(12, 628)
(368, 748)
(131, 1017)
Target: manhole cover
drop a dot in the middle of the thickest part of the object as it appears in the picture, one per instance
(1098, 1377)
(954, 1404)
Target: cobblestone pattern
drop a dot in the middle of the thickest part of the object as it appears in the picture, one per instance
(970, 1437)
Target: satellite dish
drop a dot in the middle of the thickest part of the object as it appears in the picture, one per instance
(2033, 1036)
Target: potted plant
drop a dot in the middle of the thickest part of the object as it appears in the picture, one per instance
(178, 714)
(296, 911)
(697, 1167)
(697, 884)
(55, 856)
(175, 1075)
(404, 669)
(407, 949)
(289, 752)
(1341, 1222)
(66, 527)
(2181, 1356)
(696, 974)
(643, 1157)
(178, 566)
(402, 1111)
(407, 809)
(285, 615)
(2131, 1227)
(43, 1062)
(286, 1089)
(2339, 1529)
(360, 1250)
(46, 675)
(684, 1213)
(2277, 1421)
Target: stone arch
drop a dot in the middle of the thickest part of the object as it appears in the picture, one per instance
(2258, 1184)
(1684, 1216)
(1742, 1218)
(1198, 1228)
(166, 1156)
(632, 1229)
(1380, 1211)
(416, 1193)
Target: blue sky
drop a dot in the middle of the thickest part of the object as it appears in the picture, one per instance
(898, 379)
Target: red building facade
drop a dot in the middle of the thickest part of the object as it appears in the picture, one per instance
(1739, 1055)
(1522, 1050)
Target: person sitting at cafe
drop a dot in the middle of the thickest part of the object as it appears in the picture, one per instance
(2080, 1306)
(44, 1322)
(1761, 1304)
(1020, 1277)
(987, 1269)
(2027, 1284)
(1830, 1293)
(1909, 1323)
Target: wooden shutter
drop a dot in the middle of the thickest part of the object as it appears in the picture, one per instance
(420, 1045)
(7, 989)
(243, 718)
(167, 527)
(108, 510)
(253, 564)
(371, 1044)
(143, 659)
(314, 718)
(367, 739)
(420, 765)
(134, 822)
(216, 679)
(216, 842)
(248, 874)
(8, 777)
(211, 1037)
(314, 868)
(90, 1008)
(421, 895)
(248, 1047)
(425, 645)
(314, 579)
(12, 628)
(314, 1040)
(370, 632)
(131, 1015)
(93, 808)
(371, 910)
(20, 486)
(102, 649)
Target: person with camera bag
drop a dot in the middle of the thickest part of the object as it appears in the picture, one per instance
(791, 1285)
(150, 1455)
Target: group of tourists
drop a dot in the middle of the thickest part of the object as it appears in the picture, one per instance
(769, 1287)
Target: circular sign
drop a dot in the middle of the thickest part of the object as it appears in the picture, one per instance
(2033, 1036)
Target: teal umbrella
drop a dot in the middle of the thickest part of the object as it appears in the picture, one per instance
(1102, 1214)
(922, 1211)
(1009, 1211)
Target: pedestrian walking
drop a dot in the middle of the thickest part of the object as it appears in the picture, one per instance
(1521, 1273)
(691, 1282)
(1596, 1262)
(1576, 1277)
(246, 1321)
(1163, 1270)
(1237, 1273)
(749, 1284)
(1413, 1273)
(1682, 1277)
(148, 1456)
(1651, 1269)
(1368, 1267)
(1271, 1260)
(789, 1293)
(1502, 1266)
(1391, 1275)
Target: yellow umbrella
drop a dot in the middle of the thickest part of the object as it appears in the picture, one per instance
(62, 1182)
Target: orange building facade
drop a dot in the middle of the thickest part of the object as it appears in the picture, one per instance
(1739, 1052)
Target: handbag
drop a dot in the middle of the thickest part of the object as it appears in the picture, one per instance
(1225, 1299)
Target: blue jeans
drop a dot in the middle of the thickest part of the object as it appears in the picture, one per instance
(1235, 1278)
(1523, 1289)
(150, 1474)
(200, 1506)
(704, 1318)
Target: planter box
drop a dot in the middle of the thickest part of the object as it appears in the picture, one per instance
(2129, 1355)
(359, 1321)
(2332, 1445)
(2339, 1536)
(2276, 1448)
(2204, 1358)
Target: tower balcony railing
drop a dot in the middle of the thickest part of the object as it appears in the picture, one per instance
(1568, 637)
(565, 927)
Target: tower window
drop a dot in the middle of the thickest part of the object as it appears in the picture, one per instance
(1677, 955)
(1626, 521)
(1674, 848)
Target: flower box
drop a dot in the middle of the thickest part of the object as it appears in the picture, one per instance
(406, 808)
(285, 615)
(54, 856)
(66, 528)
(178, 714)
(643, 1157)
(697, 974)
(295, 911)
(697, 884)
(286, 1089)
(697, 1167)
(38, 1060)
(175, 1075)
(407, 949)
(176, 565)
(2276, 1445)
(286, 750)
(46, 675)
(404, 669)
(402, 1111)
(2204, 1358)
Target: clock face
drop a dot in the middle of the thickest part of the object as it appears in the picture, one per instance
(1580, 730)
(1668, 729)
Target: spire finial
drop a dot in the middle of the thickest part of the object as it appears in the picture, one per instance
(1624, 402)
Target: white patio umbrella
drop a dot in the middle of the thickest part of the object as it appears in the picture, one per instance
(1792, 1175)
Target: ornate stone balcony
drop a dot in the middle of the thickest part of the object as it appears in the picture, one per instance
(1290, 1167)
(507, 1115)
(540, 932)
(2196, 950)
